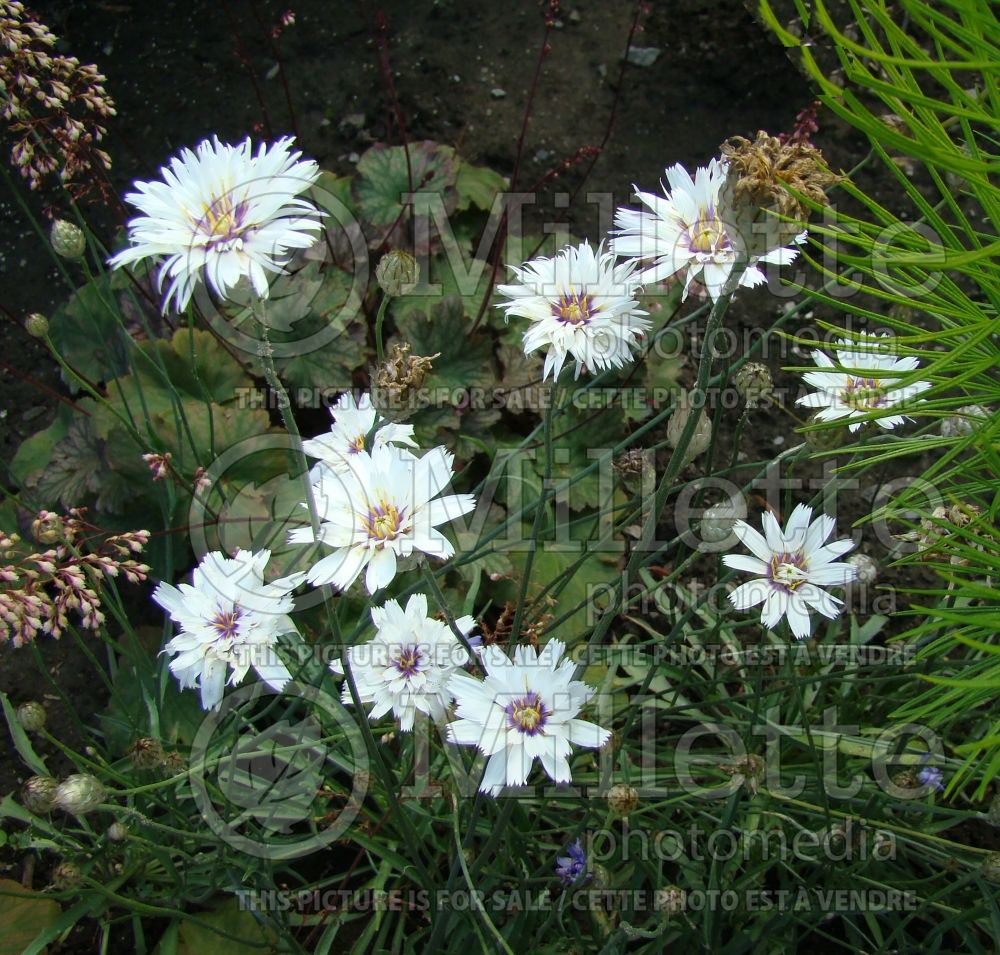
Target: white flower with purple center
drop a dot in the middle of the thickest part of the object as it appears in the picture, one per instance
(222, 213)
(384, 508)
(581, 305)
(230, 621)
(406, 667)
(354, 422)
(863, 381)
(685, 230)
(792, 567)
(523, 710)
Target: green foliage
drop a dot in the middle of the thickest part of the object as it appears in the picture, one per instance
(922, 85)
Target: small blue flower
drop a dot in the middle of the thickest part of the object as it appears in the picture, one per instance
(931, 776)
(572, 868)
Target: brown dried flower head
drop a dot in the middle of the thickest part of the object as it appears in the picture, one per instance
(397, 378)
(760, 175)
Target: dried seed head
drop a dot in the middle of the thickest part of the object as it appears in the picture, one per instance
(623, 799)
(754, 383)
(671, 900)
(79, 794)
(66, 876)
(396, 380)
(31, 716)
(67, 239)
(397, 272)
(146, 753)
(758, 179)
(38, 794)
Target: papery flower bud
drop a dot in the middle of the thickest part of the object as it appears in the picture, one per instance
(865, 568)
(36, 325)
(67, 239)
(38, 793)
(964, 421)
(700, 439)
(623, 799)
(79, 794)
(397, 272)
(31, 716)
(717, 523)
(117, 832)
(754, 383)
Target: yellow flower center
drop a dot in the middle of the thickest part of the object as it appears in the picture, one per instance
(574, 309)
(707, 234)
(864, 394)
(384, 522)
(527, 714)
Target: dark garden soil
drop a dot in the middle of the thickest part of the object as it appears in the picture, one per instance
(183, 71)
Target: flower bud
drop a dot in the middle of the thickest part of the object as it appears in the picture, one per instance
(66, 876)
(117, 832)
(36, 325)
(623, 799)
(67, 239)
(754, 383)
(993, 811)
(717, 523)
(671, 900)
(47, 528)
(824, 439)
(397, 272)
(31, 716)
(700, 439)
(79, 794)
(964, 421)
(991, 868)
(865, 567)
(38, 793)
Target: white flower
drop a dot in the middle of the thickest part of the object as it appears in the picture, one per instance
(522, 710)
(866, 389)
(384, 506)
(222, 213)
(686, 229)
(228, 618)
(792, 569)
(352, 423)
(580, 304)
(407, 666)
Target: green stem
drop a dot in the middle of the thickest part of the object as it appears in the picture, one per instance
(676, 459)
(379, 318)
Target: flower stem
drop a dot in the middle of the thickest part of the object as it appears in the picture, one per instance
(379, 318)
(677, 459)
